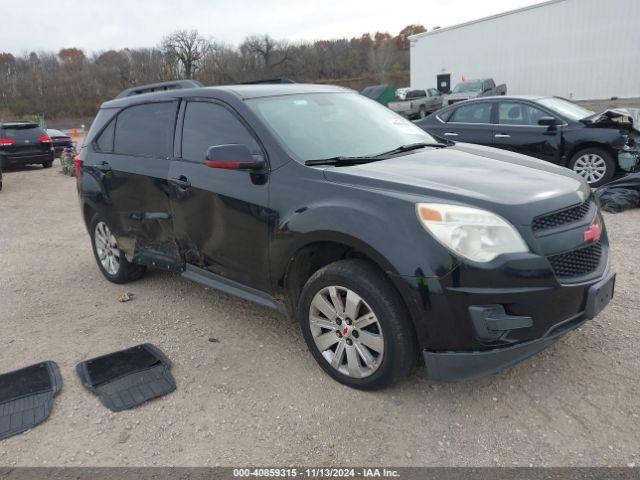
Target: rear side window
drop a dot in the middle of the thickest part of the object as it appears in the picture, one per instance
(207, 125)
(145, 130)
(472, 113)
(105, 140)
(416, 94)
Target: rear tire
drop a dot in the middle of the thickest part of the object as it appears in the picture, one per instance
(378, 343)
(47, 164)
(111, 261)
(422, 112)
(595, 165)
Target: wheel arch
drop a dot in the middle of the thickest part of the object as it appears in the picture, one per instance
(315, 251)
(590, 144)
(88, 212)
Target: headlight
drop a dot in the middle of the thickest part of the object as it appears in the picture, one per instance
(476, 234)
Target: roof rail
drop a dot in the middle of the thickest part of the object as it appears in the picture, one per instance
(159, 87)
(269, 81)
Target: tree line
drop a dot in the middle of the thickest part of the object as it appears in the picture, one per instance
(70, 83)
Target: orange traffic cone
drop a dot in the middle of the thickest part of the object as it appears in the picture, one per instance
(75, 132)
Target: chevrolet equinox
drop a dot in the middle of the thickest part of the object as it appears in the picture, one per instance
(387, 245)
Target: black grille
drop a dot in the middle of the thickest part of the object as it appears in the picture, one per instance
(577, 263)
(563, 217)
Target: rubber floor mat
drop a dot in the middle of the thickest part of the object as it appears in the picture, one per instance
(26, 397)
(128, 378)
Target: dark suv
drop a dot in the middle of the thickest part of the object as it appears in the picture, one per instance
(320, 203)
(24, 143)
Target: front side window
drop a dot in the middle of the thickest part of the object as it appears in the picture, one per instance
(472, 113)
(207, 125)
(145, 130)
(517, 113)
(326, 125)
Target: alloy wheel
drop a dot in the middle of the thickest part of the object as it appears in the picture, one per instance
(591, 167)
(346, 331)
(107, 248)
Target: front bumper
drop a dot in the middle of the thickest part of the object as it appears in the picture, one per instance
(453, 366)
(456, 366)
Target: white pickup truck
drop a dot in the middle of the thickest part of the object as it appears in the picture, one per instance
(418, 103)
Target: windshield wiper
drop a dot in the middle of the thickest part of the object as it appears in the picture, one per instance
(409, 147)
(340, 161)
(372, 158)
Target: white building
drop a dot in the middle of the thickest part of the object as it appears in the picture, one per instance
(581, 49)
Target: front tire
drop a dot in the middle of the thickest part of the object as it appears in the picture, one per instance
(356, 325)
(595, 165)
(47, 164)
(110, 259)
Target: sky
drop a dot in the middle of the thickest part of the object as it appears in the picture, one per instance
(98, 25)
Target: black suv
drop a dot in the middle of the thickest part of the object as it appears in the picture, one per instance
(24, 143)
(318, 202)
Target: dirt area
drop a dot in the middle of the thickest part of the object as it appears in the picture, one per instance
(257, 396)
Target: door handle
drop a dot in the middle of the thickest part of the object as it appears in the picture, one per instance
(181, 181)
(103, 167)
(450, 134)
(502, 135)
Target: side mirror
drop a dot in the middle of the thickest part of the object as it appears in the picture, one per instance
(547, 121)
(232, 157)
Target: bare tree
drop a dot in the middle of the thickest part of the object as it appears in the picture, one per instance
(266, 52)
(187, 48)
(381, 58)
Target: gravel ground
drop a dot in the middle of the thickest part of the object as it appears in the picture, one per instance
(257, 396)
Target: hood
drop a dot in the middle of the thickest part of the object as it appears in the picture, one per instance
(624, 118)
(513, 185)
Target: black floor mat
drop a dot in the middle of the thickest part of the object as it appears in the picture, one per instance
(128, 378)
(26, 397)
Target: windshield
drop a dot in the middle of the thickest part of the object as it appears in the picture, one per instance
(565, 108)
(326, 125)
(468, 87)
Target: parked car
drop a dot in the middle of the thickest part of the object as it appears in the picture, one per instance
(24, 143)
(60, 140)
(418, 103)
(0, 179)
(385, 244)
(595, 146)
(484, 87)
